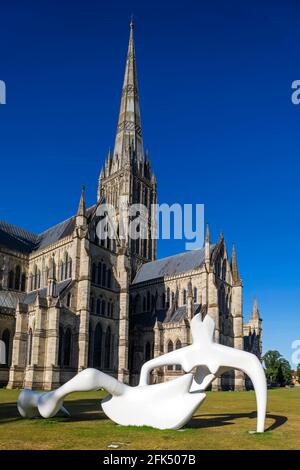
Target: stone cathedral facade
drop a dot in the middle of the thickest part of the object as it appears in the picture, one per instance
(69, 300)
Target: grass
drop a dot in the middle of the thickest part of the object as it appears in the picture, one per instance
(222, 422)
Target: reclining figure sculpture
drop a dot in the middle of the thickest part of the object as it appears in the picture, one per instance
(168, 405)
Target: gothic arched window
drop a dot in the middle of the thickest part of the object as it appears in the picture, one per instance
(107, 348)
(61, 270)
(11, 276)
(154, 301)
(178, 346)
(92, 305)
(163, 300)
(17, 278)
(31, 281)
(23, 282)
(168, 298)
(148, 351)
(29, 347)
(131, 356)
(60, 346)
(98, 308)
(36, 278)
(97, 360)
(67, 347)
(69, 268)
(184, 296)
(99, 277)
(112, 356)
(222, 301)
(6, 341)
(109, 278)
(195, 296)
(224, 270)
(170, 349)
(103, 307)
(104, 274)
(218, 268)
(137, 304)
(93, 273)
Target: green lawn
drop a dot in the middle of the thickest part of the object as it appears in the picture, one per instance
(222, 422)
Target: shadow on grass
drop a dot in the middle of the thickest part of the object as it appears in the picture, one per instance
(80, 410)
(90, 410)
(225, 419)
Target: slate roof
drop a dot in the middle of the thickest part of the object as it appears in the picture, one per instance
(16, 238)
(9, 299)
(183, 262)
(60, 286)
(56, 233)
(164, 316)
(19, 239)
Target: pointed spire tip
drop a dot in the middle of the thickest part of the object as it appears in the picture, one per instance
(131, 22)
(255, 310)
(81, 206)
(207, 234)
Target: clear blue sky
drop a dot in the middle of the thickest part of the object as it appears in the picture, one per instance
(215, 85)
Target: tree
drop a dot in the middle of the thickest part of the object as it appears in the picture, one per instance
(277, 369)
(271, 362)
(298, 372)
(285, 373)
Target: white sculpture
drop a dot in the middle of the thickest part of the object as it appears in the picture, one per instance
(2, 352)
(167, 405)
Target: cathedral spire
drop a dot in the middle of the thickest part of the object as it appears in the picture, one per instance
(207, 246)
(81, 206)
(255, 310)
(129, 129)
(207, 235)
(234, 268)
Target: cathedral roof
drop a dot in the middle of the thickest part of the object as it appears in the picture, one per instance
(9, 299)
(30, 298)
(147, 319)
(19, 239)
(56, 233)
(183, 262)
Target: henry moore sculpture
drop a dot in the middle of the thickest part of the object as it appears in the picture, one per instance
(167, 405)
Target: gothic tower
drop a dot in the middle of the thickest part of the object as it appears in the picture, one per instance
(126, 177)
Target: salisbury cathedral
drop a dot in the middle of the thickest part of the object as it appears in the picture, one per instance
(69, 300)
